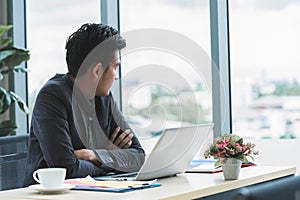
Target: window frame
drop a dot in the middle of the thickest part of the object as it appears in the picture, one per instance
(110, 15)
(16, 16)
(220, 55)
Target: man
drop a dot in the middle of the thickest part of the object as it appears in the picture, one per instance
(76, 123)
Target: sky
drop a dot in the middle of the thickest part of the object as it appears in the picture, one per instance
(265, 38)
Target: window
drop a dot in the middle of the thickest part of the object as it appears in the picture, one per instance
(161, 86)
(183, 99)
(264, 42)
(49, 23)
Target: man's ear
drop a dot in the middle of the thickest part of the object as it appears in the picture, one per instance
(98, 70)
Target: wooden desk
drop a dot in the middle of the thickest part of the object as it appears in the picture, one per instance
(182, 186)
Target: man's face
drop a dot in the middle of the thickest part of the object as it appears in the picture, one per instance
(108, 77)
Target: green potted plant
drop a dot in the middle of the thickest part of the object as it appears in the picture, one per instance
(10, 59)
(230, 146)
(230, 151)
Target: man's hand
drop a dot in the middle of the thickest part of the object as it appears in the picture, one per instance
(123, 141)
(88, 155)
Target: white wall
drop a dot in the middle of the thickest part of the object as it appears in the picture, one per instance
(278, 152)
(284, 152)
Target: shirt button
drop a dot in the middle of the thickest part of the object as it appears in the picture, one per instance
(90, 118)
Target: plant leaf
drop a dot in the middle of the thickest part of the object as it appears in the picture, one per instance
(6, 41)
(5, 100)
(7, 127)
(240, 141)
(22, 105)
(15, 69)
(5, 53)
(4, 29)
(19, 56)
(251, 157)
(218, 163)
(232, 142)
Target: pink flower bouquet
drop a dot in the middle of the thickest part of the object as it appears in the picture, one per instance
(230, 146)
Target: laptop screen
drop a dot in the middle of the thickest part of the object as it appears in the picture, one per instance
(174, 151)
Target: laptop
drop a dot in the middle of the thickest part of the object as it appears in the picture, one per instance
(171, 155)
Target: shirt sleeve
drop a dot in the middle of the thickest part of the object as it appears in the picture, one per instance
(121, 160)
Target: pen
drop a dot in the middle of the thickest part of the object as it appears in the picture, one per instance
(139, 186)
(124, 179)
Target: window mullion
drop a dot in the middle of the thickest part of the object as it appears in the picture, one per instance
(110, 16)
(220, 67)
(18, 81)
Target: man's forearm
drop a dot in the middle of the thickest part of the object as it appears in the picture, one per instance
(88, 155)
(125, 160)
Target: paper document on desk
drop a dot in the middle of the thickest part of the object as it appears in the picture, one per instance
(110, 186)
(208, 166)
(203, 166)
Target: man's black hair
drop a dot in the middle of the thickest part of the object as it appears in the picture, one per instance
(81, 47)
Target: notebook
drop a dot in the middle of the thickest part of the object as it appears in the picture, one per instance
(203, 166)
(171, 155)
(89, 183)
(208, 166)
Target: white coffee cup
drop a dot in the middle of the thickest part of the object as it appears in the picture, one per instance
(50, 177)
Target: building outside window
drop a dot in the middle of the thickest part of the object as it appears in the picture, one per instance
(49, 23)
(264, 105)
(160, 88)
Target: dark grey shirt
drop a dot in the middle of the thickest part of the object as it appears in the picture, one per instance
(62, 123)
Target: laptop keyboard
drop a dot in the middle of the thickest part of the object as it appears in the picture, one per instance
(130, 175)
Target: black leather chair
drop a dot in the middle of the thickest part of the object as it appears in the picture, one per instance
(287, 188)
(13, 154)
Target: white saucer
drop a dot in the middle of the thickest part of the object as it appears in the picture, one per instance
(41, 189)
